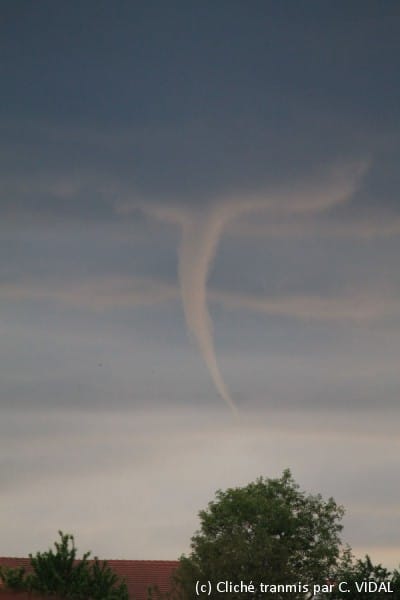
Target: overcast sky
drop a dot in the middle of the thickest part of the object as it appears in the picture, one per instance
(199, 281)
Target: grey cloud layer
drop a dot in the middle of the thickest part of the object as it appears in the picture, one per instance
(162, 162)
(115, 463)
(101, 294)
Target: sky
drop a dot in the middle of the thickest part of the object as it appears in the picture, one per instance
(199, 283)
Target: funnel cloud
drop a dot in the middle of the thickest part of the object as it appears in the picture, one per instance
(199, 242)
(201, 234)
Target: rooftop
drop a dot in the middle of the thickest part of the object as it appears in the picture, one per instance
(139, 575)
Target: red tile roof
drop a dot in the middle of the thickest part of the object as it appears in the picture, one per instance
(138, 574)
(13, 563)
(8, 595)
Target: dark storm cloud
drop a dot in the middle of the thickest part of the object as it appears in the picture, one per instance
(184, 104)
(190, 164)
(310, 51)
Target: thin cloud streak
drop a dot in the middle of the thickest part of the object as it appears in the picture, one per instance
(98, 294)
(356, 307)
(105, 293)
(361, 227)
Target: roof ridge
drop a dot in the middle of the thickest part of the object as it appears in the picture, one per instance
(136, 560)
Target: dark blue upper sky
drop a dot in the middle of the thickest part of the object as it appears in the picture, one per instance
(204, 97)
(143, 62)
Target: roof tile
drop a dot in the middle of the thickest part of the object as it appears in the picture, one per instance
(138, 574)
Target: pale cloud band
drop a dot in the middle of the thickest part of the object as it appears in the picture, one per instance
(106, 293)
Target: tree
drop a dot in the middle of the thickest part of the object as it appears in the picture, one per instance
(61, 573)
(267, 532)
(353, 574)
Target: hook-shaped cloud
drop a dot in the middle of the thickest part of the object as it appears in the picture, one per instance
(202, 230)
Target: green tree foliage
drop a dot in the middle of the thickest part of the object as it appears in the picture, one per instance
(14, 579)
(59, 572)
(352, 572)
(105, 584)
(268, 531)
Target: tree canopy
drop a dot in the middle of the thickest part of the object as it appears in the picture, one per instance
(268, 531)
(355, 576)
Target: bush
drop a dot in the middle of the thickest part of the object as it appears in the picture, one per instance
(59, 572)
